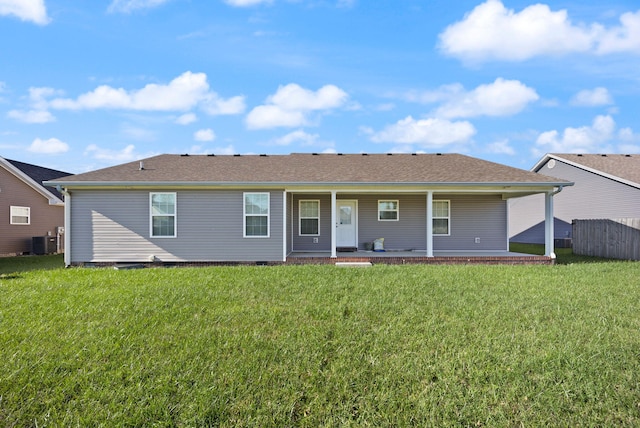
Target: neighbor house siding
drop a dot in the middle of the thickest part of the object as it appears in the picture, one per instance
(593, 196)
(44, 218)
(113, 226)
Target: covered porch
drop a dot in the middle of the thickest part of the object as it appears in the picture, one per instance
(418, 257)
(448, 225)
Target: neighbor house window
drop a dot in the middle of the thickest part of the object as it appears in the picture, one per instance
(309, 218)
(441, 217)
(20, 215)
(163, 215)
(256, 215)
(388, 210)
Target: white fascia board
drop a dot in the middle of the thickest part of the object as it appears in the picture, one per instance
(53, 199)
(506, 187)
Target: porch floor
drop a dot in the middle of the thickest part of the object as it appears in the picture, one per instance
(418, 257)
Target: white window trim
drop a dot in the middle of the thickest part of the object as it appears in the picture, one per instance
(300, 217)
(245, 215)
(397, 210)
(11, 215)
(174, 215)
(448, 217)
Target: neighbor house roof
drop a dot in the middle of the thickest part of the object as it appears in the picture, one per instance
(619, 167)
(35, 176)
(324, 169)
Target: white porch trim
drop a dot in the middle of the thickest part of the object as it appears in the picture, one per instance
(548, 225)
(334, 253)
(429, 223)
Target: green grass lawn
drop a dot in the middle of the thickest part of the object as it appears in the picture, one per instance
(320, 346)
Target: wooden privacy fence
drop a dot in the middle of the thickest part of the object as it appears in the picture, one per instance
(612, 238)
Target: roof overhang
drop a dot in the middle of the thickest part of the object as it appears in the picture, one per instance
(53, 199)
(506, 189)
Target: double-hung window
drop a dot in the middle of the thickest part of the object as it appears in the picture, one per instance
(20, 215)
(388, 210)
(256, 215)
(441, 217)
(309, 217)
(163, 215)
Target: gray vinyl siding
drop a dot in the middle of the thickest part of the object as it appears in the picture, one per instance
(591, 197)
(113, 226)
(479, 216)
(305, 243)
(408, 233)
(474, 216)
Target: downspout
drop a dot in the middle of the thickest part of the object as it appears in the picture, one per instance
(67, 225)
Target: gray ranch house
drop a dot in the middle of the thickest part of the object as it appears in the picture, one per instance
(274, 208)
(606, 186)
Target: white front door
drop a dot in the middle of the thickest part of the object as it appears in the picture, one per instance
(346, 224)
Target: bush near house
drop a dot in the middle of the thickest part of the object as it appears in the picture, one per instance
(320, 345)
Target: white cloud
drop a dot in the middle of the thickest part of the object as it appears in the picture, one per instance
(501, 147)
(128, 6)
(216, 106)
(31, 116)
(291, 105)
(493, 32)
(592, 97)
(186, 119)
(27, 10)
(125, 155)
(586, 139)
(270, 116)
(625, 38)
(500, 98)
(204, 135)
(443, 93)
(432, 132)
(304, 139)
(51, 146)
(246, 3)
(229, 150)
(183, 93)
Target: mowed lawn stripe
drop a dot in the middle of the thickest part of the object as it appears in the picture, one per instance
(322, 346)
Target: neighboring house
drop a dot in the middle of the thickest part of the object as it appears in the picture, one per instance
(606, 186)
(27, 207)
(204, 208)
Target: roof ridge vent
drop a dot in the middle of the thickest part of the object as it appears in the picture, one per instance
(627, 156)
(262, 155)
(236, 155)
(185, 155)
(211, 154)
(603, 155)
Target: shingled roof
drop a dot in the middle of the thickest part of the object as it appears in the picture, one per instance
(40, 174)
(623, 167)
(339, 169)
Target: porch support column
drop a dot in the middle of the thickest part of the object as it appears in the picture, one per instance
(284, 226)
(548, 225)
(429, 223)
(67, 227)
(333, 225)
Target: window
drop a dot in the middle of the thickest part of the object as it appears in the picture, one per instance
(20, 215)
(256, 215)
(163, 215)
(441, 217)
(309, 218)
(388, 210)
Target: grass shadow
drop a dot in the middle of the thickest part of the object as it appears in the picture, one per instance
(564, 256)
(11, 266)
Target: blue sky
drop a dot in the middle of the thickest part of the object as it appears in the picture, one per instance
(89, 84)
